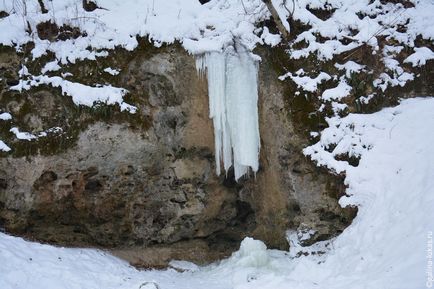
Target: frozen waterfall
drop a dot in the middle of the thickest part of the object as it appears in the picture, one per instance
(233, 106)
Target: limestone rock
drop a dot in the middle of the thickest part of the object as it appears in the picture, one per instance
(144, 186)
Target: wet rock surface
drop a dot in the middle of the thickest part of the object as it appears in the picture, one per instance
(145, 187)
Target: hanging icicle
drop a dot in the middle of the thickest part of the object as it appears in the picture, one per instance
(233, 106)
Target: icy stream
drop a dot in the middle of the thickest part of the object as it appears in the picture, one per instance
(233, 106)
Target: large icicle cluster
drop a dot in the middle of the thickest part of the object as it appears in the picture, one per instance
(233, 106)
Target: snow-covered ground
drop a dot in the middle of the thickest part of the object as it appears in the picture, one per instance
(386, 246)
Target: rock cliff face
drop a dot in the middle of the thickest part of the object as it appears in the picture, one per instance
(144, 185)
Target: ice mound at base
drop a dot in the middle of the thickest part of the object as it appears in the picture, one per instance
(252, 253)
(249, 263)
(233, 106)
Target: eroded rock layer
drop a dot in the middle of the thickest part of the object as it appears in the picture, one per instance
(134, 182)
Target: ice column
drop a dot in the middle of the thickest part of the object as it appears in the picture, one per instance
(233, 106)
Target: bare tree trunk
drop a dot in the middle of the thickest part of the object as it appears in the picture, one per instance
(277, 20)
(43, 9)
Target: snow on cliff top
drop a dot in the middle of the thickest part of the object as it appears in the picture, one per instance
(199, 28)
(210, 27)
(386, 246)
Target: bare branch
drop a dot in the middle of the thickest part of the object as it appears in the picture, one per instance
(42, 5)
(277, 20)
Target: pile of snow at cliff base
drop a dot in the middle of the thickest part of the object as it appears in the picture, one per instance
(388, 245)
